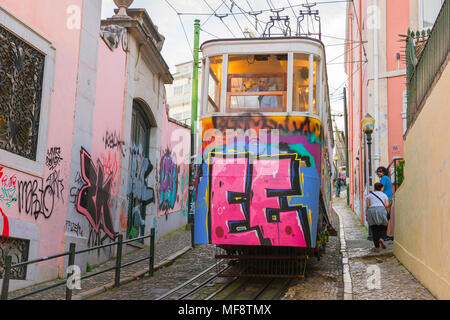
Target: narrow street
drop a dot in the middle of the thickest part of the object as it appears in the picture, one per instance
(224, 150)
(324, 279)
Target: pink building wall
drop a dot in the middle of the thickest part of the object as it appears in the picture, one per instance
(397, 22)
(49, 224)
(173, 168)
(391, 70)
(105, 151)
(87, 163)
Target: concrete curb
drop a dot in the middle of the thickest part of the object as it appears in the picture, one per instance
(135, 276)
(348, 289)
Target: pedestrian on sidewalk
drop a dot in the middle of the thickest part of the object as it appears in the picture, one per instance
(383, 174)
(376, 215)
(338, 184)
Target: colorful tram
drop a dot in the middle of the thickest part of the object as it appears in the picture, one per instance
(264, 154)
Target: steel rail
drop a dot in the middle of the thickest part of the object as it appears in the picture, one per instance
(201, 285)
(264, 288)
(189, 281)
(226, 285)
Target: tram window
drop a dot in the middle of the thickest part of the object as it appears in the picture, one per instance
(214, 84)
(257, 82)
(300, 99)
(315, 95)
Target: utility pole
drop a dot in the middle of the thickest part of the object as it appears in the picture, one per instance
(192, 165)
(346, 147)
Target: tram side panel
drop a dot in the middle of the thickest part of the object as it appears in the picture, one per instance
(260, 180)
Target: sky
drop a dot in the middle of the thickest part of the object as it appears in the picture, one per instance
(175, 21)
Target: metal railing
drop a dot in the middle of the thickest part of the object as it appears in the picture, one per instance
(398, 164)
(421, 73)
(71, 260)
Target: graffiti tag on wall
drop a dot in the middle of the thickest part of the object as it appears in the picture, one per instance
(140, 194)
(168, 181)
(94, 195)
(53, 158)
(112, 141)
(8, 186)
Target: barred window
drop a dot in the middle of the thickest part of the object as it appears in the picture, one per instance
(21, 79)
(18, 250)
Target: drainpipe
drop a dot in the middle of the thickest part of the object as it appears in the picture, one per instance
(376, 142)
(350, 109)
(361, 181)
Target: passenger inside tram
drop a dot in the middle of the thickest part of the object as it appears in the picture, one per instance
(257, 82)
(264, 101)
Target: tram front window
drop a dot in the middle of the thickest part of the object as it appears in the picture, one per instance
(257, 82)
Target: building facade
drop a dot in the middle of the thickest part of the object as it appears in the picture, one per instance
(376, 84)
(179, 93)
(87, 150)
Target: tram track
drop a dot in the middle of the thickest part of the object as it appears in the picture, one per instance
(195, 284)
(208, 285)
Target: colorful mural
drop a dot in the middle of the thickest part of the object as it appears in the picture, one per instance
(259, 181)
(173, 168)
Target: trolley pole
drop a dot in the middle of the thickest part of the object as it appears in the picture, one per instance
(346, 147)
(192, 165)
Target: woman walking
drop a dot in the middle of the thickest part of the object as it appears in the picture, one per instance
(376, 215)
(383, 174)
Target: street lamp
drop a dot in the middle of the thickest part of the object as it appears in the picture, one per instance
(367, 124)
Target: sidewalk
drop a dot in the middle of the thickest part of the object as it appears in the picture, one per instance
(167, 248)
(368, 275)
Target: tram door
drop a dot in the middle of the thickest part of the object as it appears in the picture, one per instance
(138, 196)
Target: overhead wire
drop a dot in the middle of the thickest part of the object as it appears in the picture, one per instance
(280, 8)
(348, 77)
(359, 28)
(207, 32)
(220, 18)
(182, 25)
(345, 52)
(211, 15)
(234, 17)
(246, 15)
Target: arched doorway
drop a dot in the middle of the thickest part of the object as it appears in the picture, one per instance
(139, 194)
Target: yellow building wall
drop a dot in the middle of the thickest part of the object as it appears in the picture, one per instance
(422, 203)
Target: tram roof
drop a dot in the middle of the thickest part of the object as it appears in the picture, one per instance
(261, 40)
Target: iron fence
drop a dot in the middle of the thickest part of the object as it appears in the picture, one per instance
(71, 260)
(398, 165)
(422, 72)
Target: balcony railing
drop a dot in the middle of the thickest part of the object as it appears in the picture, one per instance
(422, 71)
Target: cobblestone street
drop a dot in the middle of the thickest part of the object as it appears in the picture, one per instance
(371, 276)
(374, 276)
(149, 288)
(324, 278)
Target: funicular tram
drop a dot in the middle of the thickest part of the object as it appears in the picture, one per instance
(265, 150)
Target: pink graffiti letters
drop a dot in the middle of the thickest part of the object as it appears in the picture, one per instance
(251, 207)
(94, 195)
